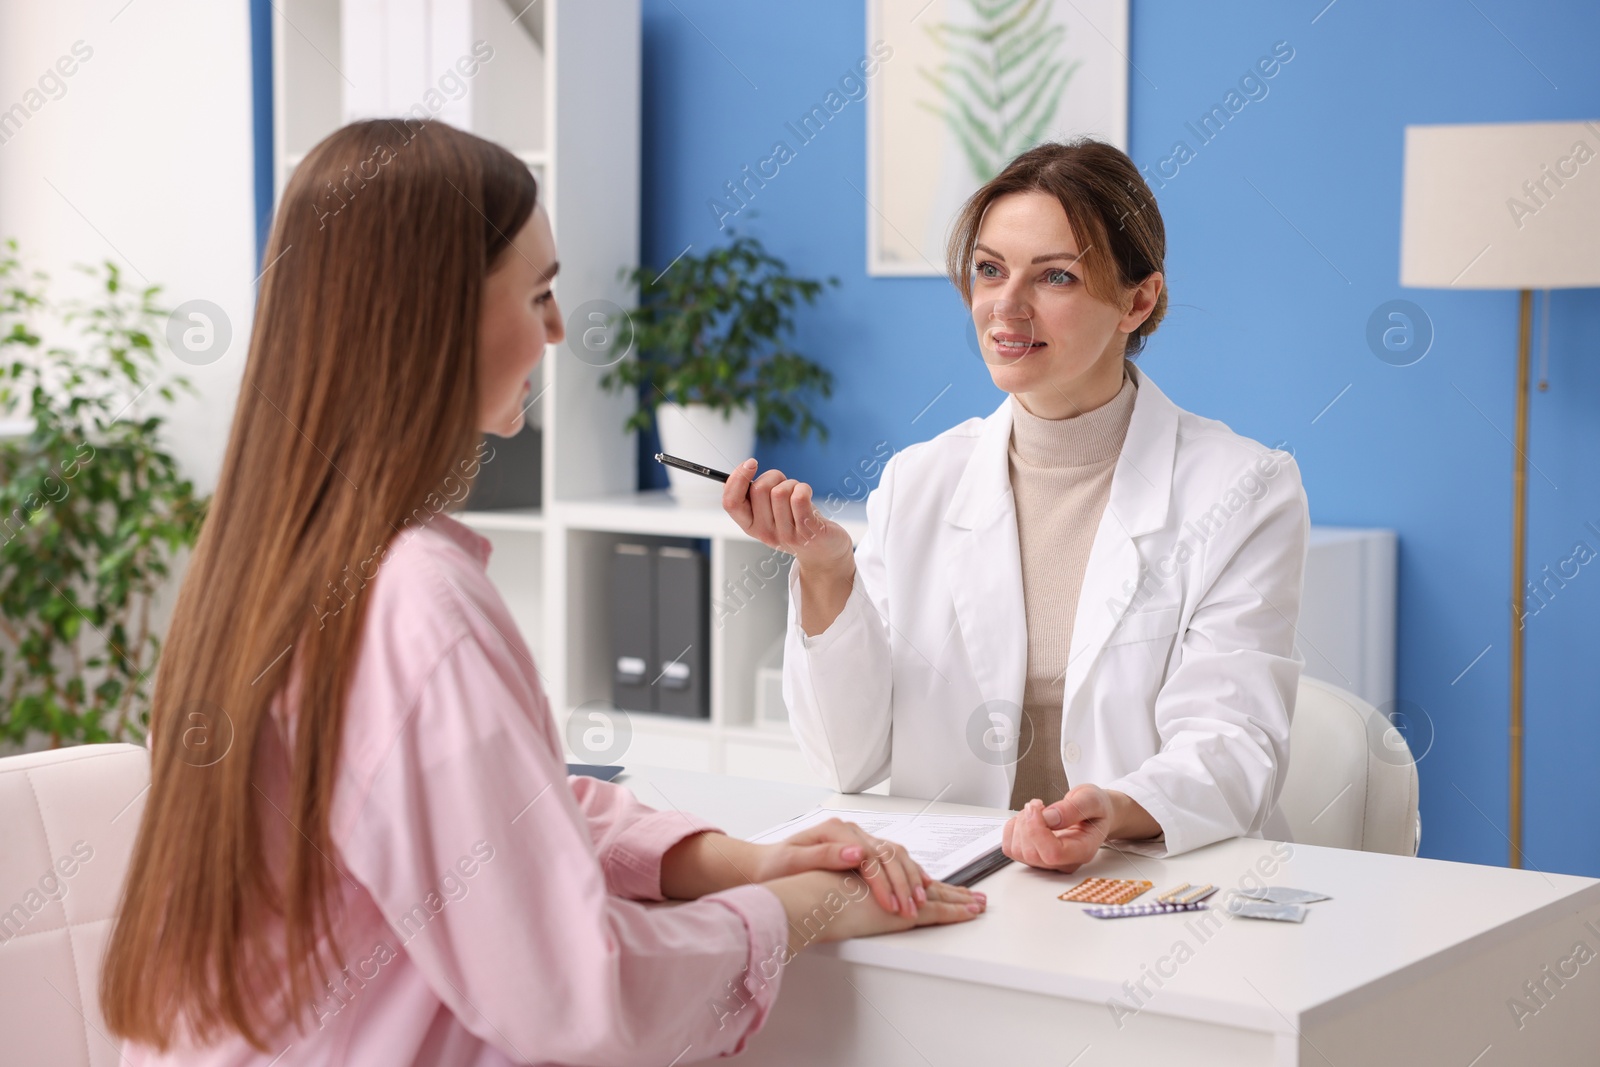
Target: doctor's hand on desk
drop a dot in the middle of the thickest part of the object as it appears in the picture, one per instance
(1067, 834)
(779, 512)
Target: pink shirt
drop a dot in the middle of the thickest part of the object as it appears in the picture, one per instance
(494, 910)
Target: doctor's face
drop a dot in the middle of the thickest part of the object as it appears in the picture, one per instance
(1043, 336)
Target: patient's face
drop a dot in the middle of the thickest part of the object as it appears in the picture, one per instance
(518, 318)
(1067, 338)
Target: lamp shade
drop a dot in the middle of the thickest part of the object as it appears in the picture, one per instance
(1511, 205)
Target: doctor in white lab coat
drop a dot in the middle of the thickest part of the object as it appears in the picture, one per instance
(906, 655)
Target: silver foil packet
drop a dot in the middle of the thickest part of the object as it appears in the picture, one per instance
(1260, 909)
(1282, 894)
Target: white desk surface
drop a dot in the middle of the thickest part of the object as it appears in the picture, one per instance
(1409, 918)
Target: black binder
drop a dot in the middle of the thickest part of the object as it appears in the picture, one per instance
(682, 632)
(633, 626)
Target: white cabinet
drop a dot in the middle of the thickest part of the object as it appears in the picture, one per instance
(1347, 615)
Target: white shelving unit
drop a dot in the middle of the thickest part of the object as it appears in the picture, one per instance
(562, 93)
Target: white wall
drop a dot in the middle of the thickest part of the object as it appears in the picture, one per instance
(145, 159)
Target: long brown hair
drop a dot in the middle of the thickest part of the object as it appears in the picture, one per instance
(359, 400)
(1111, 209)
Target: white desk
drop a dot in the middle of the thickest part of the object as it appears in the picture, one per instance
(1413, 961)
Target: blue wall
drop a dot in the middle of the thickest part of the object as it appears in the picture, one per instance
(261, 120)
(1270, 303)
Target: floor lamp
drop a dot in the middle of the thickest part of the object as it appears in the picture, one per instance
(1505, 206)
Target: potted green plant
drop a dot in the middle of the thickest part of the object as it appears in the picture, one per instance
(92, 509)
(714, 366)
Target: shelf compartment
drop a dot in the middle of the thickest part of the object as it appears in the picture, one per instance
(749, 611)
(591, 629)
(509, 105)
(307, 75)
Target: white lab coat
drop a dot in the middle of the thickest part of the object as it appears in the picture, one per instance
(1181, 677)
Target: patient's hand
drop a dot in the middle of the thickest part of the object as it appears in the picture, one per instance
(830, 906)
(709, 862)
(898, 882)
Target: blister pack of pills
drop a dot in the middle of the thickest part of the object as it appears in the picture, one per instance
(1187, 894)
(1118, 911)
(1105, 891)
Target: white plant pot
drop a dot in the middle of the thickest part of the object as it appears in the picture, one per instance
(700, 434)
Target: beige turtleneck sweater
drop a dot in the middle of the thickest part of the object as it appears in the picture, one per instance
(1060, 479)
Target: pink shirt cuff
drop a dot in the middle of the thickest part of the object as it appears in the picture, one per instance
(633, 860)
(746, 1004)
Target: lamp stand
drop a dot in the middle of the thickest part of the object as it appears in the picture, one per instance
(1519, 537)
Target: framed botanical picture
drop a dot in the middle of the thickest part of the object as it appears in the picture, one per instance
(963, 87)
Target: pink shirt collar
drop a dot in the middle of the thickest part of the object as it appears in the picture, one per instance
(475, 543)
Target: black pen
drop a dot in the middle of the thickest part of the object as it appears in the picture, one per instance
(692, 468)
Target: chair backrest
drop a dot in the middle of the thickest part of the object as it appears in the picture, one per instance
(1352, 780)
(67, 823)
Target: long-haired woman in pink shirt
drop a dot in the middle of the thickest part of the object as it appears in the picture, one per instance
(360, 844)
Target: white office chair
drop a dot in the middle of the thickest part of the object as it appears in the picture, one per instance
(67, 823)
(1352, 779)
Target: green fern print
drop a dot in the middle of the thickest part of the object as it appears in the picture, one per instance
(1002, 82)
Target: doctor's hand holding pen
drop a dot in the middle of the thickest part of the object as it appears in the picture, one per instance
(778, 512)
